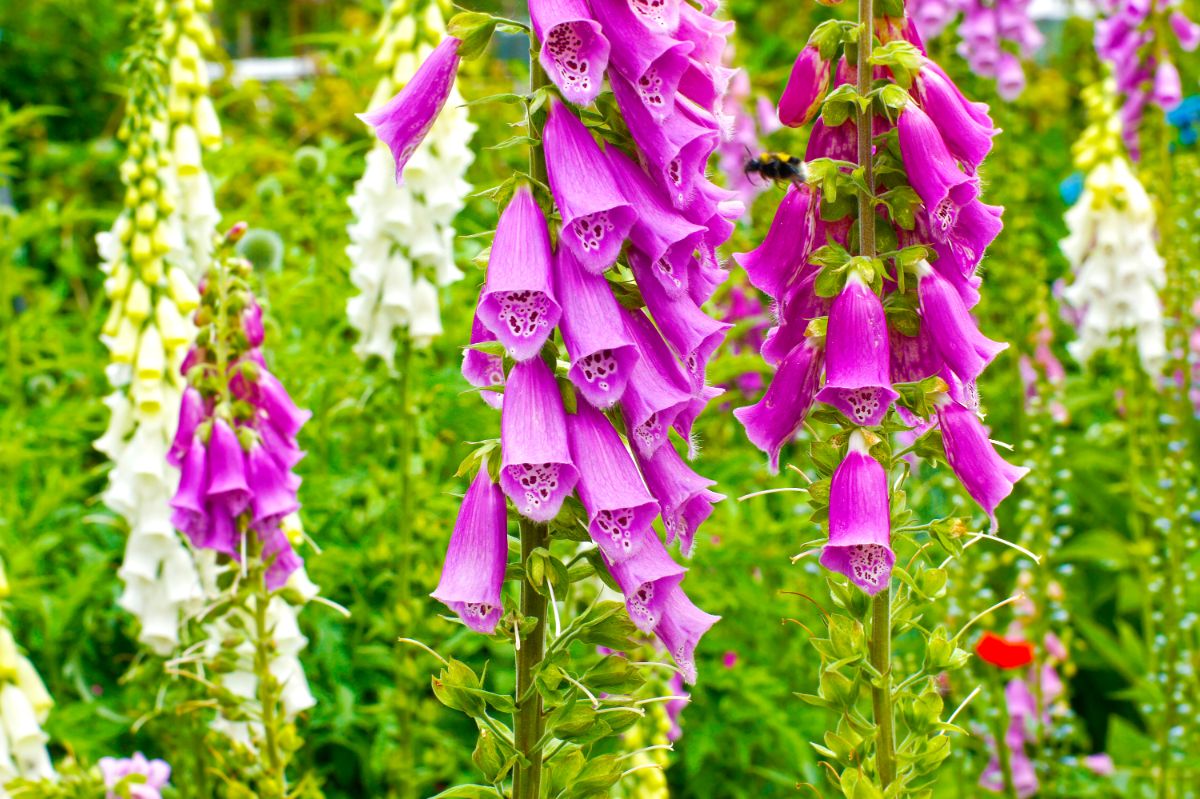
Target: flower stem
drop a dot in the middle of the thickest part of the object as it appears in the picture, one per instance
(528, 722)
(407, 786)
(865, 122)
(275, 784)
(881, 695)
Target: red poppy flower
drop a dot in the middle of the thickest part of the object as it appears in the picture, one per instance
(1004, 653)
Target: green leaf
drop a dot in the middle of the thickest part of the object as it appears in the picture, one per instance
(840, 105)
(475, 29)
(607, 625)
(469, 792)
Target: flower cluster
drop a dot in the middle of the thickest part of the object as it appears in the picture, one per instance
(151, 257)
(1045, 366)
(1112, 249)
(1129, 37)
(235, 444)
(402, 236)
(985, 29)
(24, 705)
(155, 775)
(866, 326)
(641, 360)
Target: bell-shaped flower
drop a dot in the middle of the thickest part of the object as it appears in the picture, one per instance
(620, 510)
(268, 394)
(473, 572)
(774, 419)
(966, 129)
(932, 170)
(651, 60)
(188, 506)
(857, 379)
(963, 245)
(272, 488)
(574, 48)
(403, 122)
(1167, 91)
(860, 526)
(517, 303)
(797, 308)
(658, 391)
(684, 497)
(662, 16)
(156, 774)
(602, 353)
(481, 369)
(952, 328)
(227, 486)
(191, 413)
(1186, 31)
(535, 470)
(783, 254)
(680, 629)
(987, 477)
(596, 217)
(646, 580)
(692, 334)
(805, 89)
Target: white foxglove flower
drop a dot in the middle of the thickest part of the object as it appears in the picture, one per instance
(24, 706)
(402, 238)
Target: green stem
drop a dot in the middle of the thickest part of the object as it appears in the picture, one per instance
(406, 787)
(528, 721)
(866, 130)
(1005, 758)
(881, 695)
(275, 782)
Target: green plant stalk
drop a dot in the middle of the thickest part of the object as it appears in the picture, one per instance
(275, 764)
(528, 721)
(881, 695)
(407, 786)
(865, 122)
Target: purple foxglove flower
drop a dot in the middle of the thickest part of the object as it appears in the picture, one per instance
(596, 218)
(536, 471)
(1010, 77)
(932, 170)
(968, 137)
(646, 580)
(652, 61)
(191, 413)
(156, 772)
(857, 381)
(1167, 92)
(1186, 31)
(675, 707)
(684, 496)
(774, 419)
(1025, 781)
(680, 629)
(687, 417)
(226, 463)
(1101, 764)
(914, 358)
(282, 449)
(717, 210)
(783, 254)
(282, 560)
(805, 88)
(269, 394)
(188, 507)
(517, 303)
(660, 232)
(692, 334)
(473, 573)
(797, 308)
(480, 369)
(836, 142)
(658, 391)
(658, 15)
(404, 121)
(860, 525)
(272, 488)
(705, 273)
(676, 151)
(976, 228)
(706, 86)
(987, 477)
(710, 36)
(620, 509)
(252, 324)
(574, 49)
(966, 350)
(602, 353)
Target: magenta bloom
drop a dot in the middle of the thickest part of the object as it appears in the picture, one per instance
(932, 170)
(480, 369)
(966, 129)
(574, 49)
(272, 488)
(680, 629)
(1167, 92)
(987, 477)
(602, 353)
(620, 509)
(952, 328)
(596, 218)
(252, 324)
(191, 413)
(517, 303)
(857, 380)
(684, 497)
(675, 707)
(536, 471)
(658, 391)
(157, 775)
(805, 88)
(774, 420)
(778, 261)
(404, 121)
(647, 579)
(652, 61)
(473, 573)
(1186, 31)
(860, 526)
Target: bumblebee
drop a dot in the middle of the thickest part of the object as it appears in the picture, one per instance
(779, 167)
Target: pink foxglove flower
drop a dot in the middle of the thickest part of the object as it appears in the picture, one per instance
(536, 471)
(473, 572)
(156, 772)
(857, 377)
(805, 89)
(987, 477)
(774, 419)
(860, 528)
(574, 49)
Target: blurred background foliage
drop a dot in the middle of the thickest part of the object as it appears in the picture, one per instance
(376, 730)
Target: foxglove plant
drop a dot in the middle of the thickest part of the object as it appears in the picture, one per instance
(1135, 37)
(236, 449)
(151, 259)
(402, 237)
(988, 33)
(872, 266)
(600, 350)
(25, 705)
